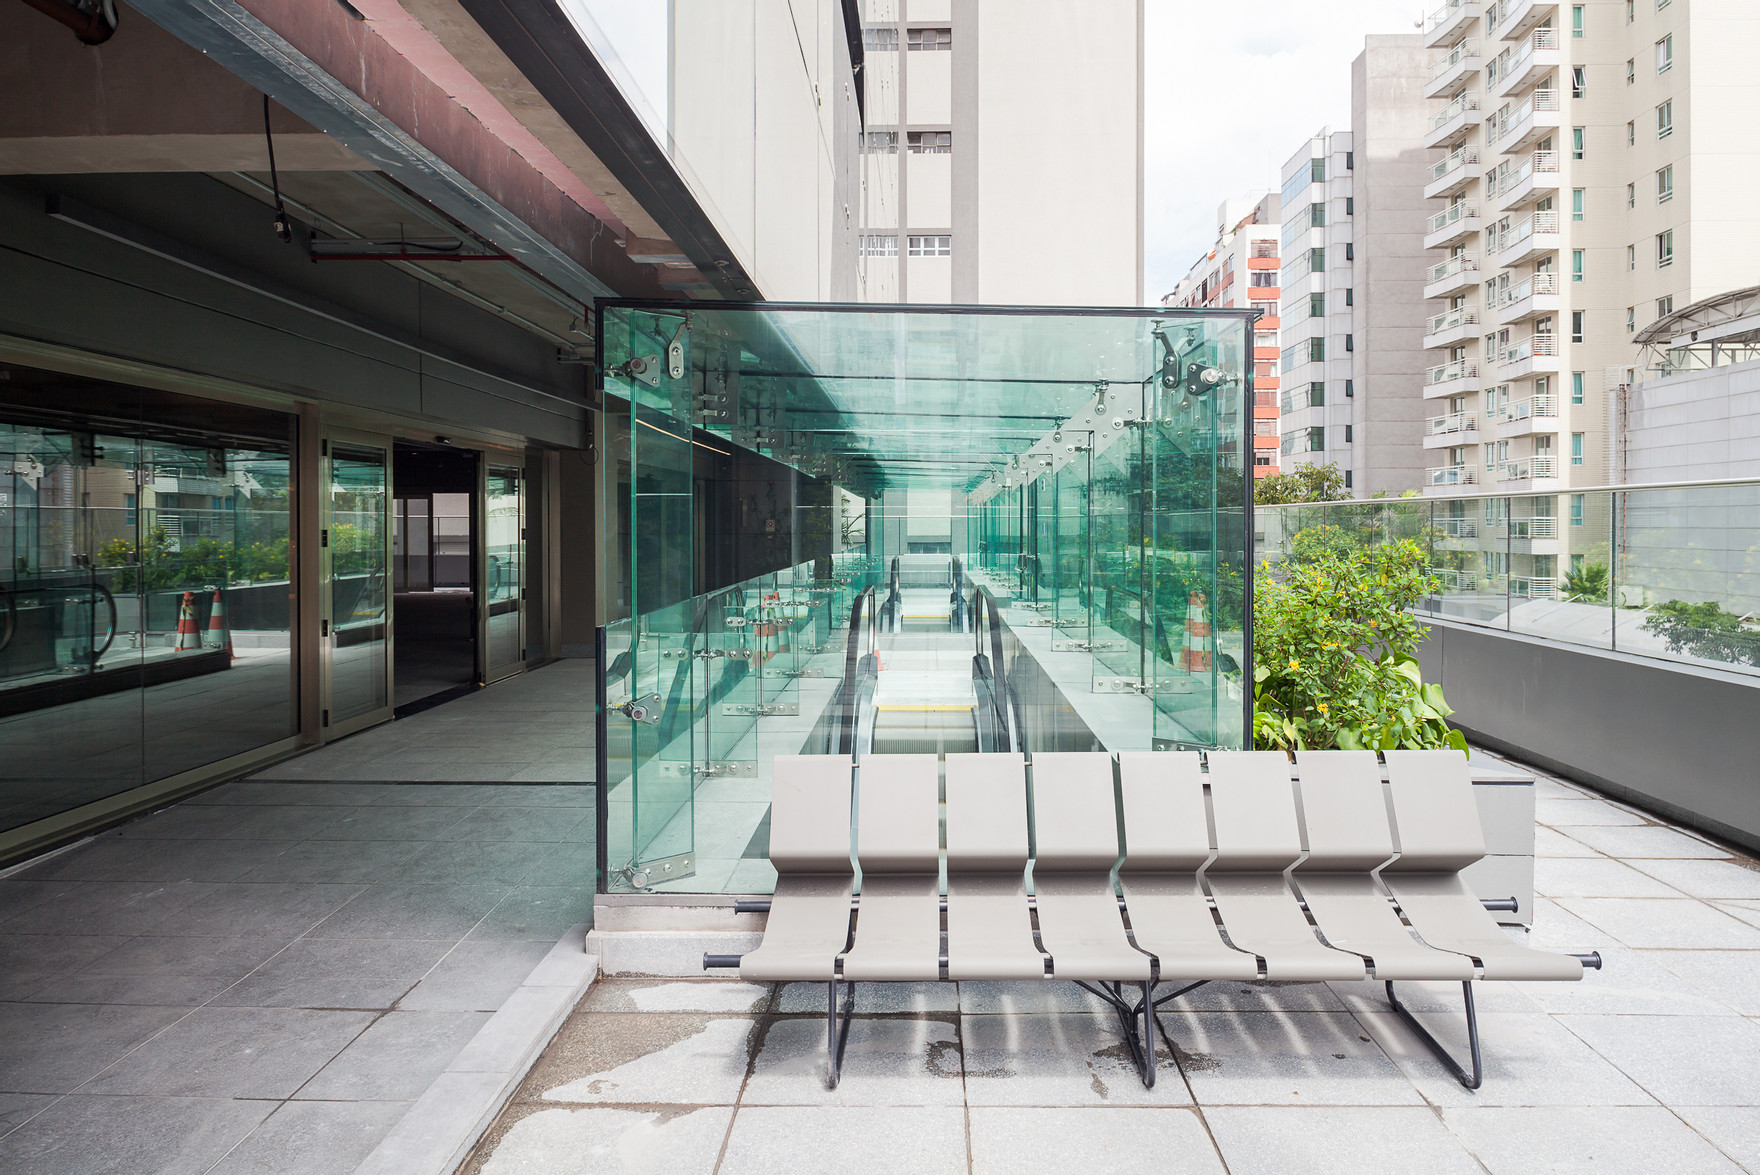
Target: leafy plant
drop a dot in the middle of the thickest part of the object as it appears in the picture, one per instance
(1336, 650)
(1304, 483)
(1587, 583)
(1704, 630)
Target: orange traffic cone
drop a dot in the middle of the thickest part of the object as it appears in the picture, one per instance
(1195, 657)
(219, 633)
(188, 639)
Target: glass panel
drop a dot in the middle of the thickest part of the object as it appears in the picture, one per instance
(504, 593)
(359, 510)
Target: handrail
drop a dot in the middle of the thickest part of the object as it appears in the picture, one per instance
(1451, 214)
(1463, 263)
(1454, 110)
(1454, 160)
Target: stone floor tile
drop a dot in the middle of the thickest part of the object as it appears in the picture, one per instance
(682, 995)
(1597, 877)
(1228, 996)
(1118, 1141)
(1441, 997)
(889, 1061)
(1557, 929)
(1748, 912)
(129, 1135)
(189, 991)
(1707, 879)
(1660, 922)
(108, 908)
(1642, 1140)
(1732, 978)
(28, 961)
(233, 1052)
(1275, 1058)
(290, 822)
(1735, 1130)
(875, 998)
(1560, 812)
(1647, 840)
(312, 1138)
(536, 913)
(384, 822)
(597, 1140)
(913, 1140)
(1549, 842)
(498, 862)
(1060, 1059)
(475, 976)
(18, 1108)
(442, 795)
(336, 861)
(1341, 1140)
(337, 973)
(277, 910)
(1632, 982)
(634, 1058)
(1681, 1060)
(982, 998)
(98, 859)
(498, 823)
(54, 1048)
(412, 911)
(1529, 1058)
(396, 1058)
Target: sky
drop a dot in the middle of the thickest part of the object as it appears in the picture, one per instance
(1272, 73)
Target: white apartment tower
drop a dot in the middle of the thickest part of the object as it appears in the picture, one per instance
(983, 119)
(1594, 169)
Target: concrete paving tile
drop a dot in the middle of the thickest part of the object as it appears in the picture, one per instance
(475, 976)
(1118, 1141)
(129, 1135)
(312, 1138)
(189, 991)
(1274, 1058)
(692, 995)
(198, 860)
(1557, 929)
(1326, 1140)
(536, 913)
(1549, 842)
(1661, 922)
(981, 998)
(28, 961)
(1748, 912)
(597, 1140)
(1441, 997)
(1708, 879)
(53, 1048)
(1735, 1130)
(96, 860)
(337, 973)
(443, 795)
(412, 911)
(497, 862)
(385, 822)
(281, 910)
(221, 957)
(108, 908)
(518, 824)
(569, 863)
(336, 861)
(645, 1059)
(233, 1052)
(1732, 978)
(1648, 840)
(1228, 996)
(913, 1140)
(1560, 812)
(1060, 1059)
(874, 998)
(1597, 877)
(1681, 1060)
(1512, 1140)
(1530, 1060)
(395, 1059)
(1632, 982)
(18, 1108)
(887, 1062)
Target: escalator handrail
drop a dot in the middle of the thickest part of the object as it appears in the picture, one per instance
(855, 667)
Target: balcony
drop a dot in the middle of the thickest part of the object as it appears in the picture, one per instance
(1521, 65)
(1521, 16)
(1534, 179)
(1529, 536)
(1455, 580)
(1534, 237)
(1457, 428)
(1451, 72)
(1537, 353)
(1451, 379)
(1453, 121)
(1457, 273)
(1450, 327)
(1528, 299)
(1450, 476)
(1454, 223)
(1454, 530)
(1536, 414)
(1453, 173)
(1441, 26)
(1538, 115)
(1527, 469)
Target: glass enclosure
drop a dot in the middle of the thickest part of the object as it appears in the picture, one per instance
(1665, 572)
(146, 595)
(880, 529)
(359, 562)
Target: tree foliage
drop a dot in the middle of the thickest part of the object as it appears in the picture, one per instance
(1304, 483)
(1704, 630)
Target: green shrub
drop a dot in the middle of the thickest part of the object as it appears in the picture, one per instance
(1704, 630)
(1587, 584)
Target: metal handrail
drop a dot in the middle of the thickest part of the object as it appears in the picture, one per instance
(1464, 263)
(1449, 319)
(1458, 158)
(1451, 214)
(1454, 110)
(1465, 51)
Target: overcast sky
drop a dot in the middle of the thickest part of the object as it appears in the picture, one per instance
(1271, 73)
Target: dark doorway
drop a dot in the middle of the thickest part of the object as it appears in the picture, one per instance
(434, 572)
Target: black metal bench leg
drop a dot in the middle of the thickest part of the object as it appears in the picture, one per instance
(837, 1035)
(1470, 1080)
(1127, 1013)
(1148, 1010)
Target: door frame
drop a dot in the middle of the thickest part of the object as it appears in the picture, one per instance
(328, 729)
(488, 673)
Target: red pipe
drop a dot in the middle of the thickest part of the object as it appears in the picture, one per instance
(405, 256)
(90, 27)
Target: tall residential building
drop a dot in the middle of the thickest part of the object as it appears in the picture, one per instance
(1242, 270)
(962, 112)
(1594, 172)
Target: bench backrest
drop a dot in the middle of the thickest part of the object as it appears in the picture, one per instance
(1344, 810)
(899, 817)
(1075, 818)
(986, 813)
(1255, 808)
(1166, 829)
(1435, 815)
(809, 814)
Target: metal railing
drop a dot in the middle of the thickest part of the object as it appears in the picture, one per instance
(1460, 527)
(1465, 51)
(1449, 319)
(1542, 345)
(1444, 372)
(1458, 158)
(1462, 263)
(1540, 283)
(1540, 222)
(1451, 214)
(1453, 111)
(1441, 15)
(1526, 468)
(1528, 528)
(1451, 475)
(1452, 423)
(1516, 57)
(1545, 404)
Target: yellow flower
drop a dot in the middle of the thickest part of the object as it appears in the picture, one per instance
(1374, 624)
(1294, 664)
(1321, 706)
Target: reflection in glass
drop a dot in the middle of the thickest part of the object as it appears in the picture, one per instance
(359, 510)
(504, 540)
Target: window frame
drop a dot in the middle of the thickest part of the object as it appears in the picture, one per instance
(1578, 142)
(1665, 248)
(1665, 183)
(1665, 54)
(927, 143)
(942, 245)
(1576, 266)
(1664, 119)
(915, 43)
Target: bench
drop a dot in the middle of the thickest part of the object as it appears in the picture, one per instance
(1228, 869)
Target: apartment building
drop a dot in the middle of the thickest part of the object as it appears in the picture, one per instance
(960, 128)
(1591, 175)
(1242, 270)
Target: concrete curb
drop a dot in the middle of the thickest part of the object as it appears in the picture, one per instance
(436, 1136)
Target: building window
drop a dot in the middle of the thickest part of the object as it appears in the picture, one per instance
(1665, 54)
(1631, 319)
(1631, 195)
(880, 245)
(1317, 171)
(1350, 160)
(1576, 448)
(1350, 296)
(1631, 258)
(1579, 80)
(1576, 20)
(1576, 142)
(1316, 305)
(1316, 439)
(1347, 434)
(880, 39)
(1665, 119)
(1665, 306)
(1576, 265)
(1347, 479)
(1631, 71)
(930, 39)
(931, 246)
(930, 142)
(1350, 251)
(1317, 350)
(1316, 260)
(1350, 389)
(1576, 387)
(1665, 184)
(1350, 342)
(1576, 326)
(1350, 205)
(1316, 394)
(1577, 203)
(1262, 279)
(1631, 134)
(1665, 249)
(1316, 216)
(1631, 11)
(1576, 509)
(881, 142)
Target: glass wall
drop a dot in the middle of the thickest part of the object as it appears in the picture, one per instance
(146, 596)
(1665, 572)
(1074, 478)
